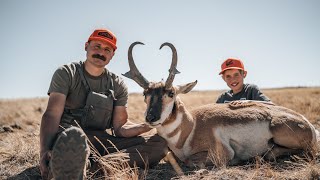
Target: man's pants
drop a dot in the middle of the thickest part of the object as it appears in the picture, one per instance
(152, 148)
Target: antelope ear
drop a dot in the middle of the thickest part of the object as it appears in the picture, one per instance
(186, 87)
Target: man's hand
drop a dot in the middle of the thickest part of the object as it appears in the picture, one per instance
(123, 128)
(49, 128)
(44, 164)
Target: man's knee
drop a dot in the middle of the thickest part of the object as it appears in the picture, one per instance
(158, 139)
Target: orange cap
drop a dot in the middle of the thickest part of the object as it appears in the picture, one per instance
(105, 36)
(231, 63)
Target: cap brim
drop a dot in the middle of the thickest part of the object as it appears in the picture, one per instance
(229, 69)
(103, 40)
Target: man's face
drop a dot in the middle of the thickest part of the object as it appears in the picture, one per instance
(234, 79)
(99, 53)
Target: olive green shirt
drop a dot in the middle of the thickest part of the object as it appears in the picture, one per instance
(67, 80)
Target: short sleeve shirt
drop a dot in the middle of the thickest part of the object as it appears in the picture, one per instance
(249, 92)
(67, 80)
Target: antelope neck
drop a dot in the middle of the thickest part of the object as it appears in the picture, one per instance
(172, 116)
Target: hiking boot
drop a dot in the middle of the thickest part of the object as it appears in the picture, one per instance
(69, 155)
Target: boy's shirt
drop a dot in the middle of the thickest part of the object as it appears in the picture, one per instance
(248, 92)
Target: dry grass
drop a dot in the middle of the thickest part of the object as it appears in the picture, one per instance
(111, 166)
(19, 140)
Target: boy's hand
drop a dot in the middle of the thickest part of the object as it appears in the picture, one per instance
(237, 103)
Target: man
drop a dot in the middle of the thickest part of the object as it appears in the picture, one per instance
(89, 95)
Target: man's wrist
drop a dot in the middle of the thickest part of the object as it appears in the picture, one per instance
(146, 127)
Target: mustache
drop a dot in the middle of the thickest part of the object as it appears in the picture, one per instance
(101, 57)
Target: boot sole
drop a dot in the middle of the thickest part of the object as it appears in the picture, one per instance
(69, 155)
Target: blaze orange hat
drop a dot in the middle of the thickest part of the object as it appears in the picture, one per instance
(105, 36)
(231, 63)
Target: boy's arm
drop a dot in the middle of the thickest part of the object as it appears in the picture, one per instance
(258, 95)
(222, 98)
(219, 100)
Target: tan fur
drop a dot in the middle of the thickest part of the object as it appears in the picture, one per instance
(231, 133)
(154, 85)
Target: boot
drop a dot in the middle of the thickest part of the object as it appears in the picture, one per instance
(69, 155)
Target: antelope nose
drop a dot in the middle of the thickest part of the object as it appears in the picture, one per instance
(150, 118)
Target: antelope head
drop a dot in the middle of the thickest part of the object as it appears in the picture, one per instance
(160, 97)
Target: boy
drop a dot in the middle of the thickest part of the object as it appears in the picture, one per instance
(233, 73)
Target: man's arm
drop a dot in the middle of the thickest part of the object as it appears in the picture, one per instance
(49, 127)
(123, 127)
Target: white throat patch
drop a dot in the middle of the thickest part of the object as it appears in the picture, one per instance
(166, 112)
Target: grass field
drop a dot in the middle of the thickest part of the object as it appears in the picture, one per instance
(19, 139)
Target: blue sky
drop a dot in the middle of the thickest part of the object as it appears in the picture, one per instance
(278, 40)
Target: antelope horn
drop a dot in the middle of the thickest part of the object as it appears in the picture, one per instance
(134, 73)
(173, 68)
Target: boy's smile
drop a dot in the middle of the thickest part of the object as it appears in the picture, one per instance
(234, 84)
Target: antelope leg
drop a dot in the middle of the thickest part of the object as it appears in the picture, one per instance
(169, 157)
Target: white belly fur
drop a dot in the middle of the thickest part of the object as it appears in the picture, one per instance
(245, 141)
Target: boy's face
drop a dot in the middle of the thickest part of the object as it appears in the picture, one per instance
(234, 79)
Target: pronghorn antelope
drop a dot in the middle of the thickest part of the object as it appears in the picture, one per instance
(222, 134)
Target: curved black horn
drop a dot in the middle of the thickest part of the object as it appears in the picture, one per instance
(173, 68)
(134, 73)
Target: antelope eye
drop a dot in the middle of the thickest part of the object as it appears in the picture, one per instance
(170, 94)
